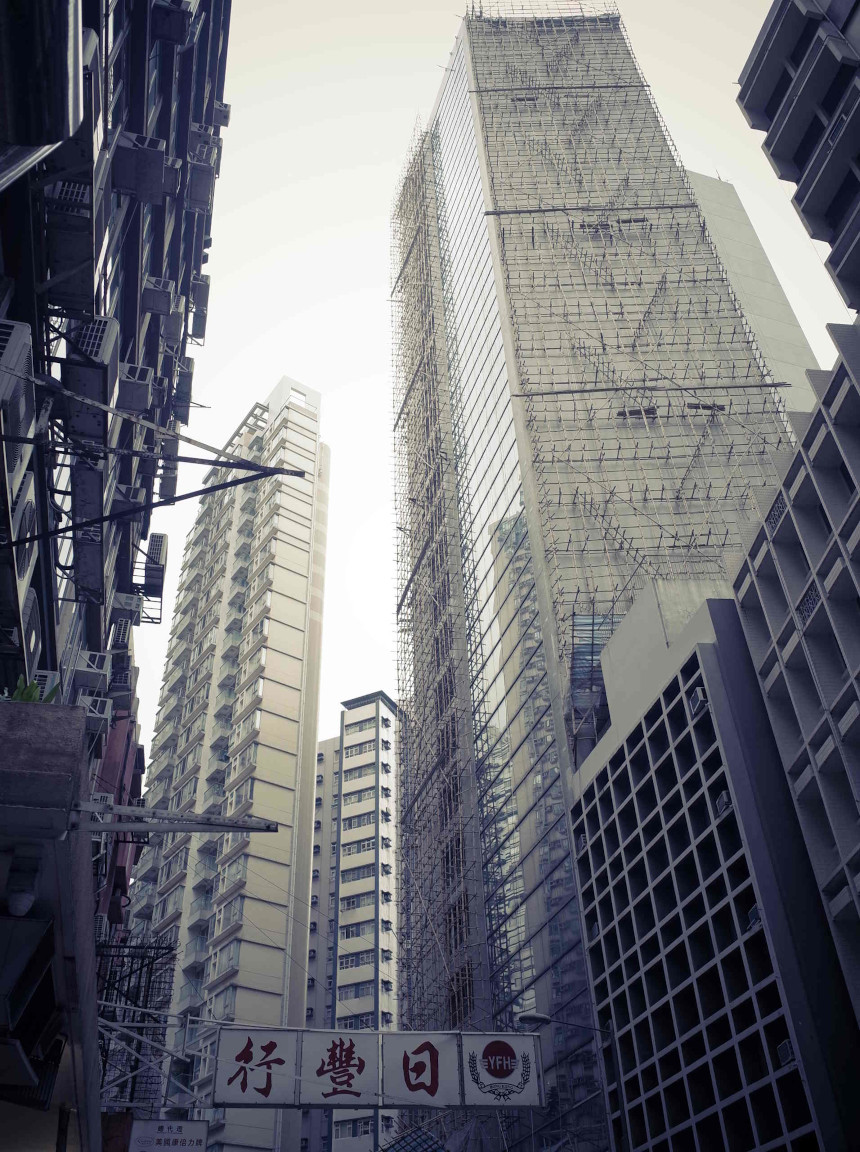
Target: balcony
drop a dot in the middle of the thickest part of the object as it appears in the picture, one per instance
(194, 953)
(224, 706)
(828, 166)
(147, 865)
(220, 738)
(142, 900)
(157, 795)
(201, 910)
(216, 769)
(231, 648)
(227, 673)
(763, 73)
(204, 872)
(209, 843)
(189, 995)
(827, 58)
(212, 798)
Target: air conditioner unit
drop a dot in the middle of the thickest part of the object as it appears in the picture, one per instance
(92, 670)
(172, 176)
(31, 619)
(753, 917)
(198, 323)
(312, 954)
(46, 681)
(17, 398)
(199, 134)
(200, 187)
(724, 803)
(158, 295)
(138, 167)
(156, 561)
(172, 325)
(91, 370)
(98, 711)
(22, 514)
(200, 291)
(171, 20)
(697, 701)
(221, 114)
(127, 606)
(785, 1053)
(135, 387)
(121, 637)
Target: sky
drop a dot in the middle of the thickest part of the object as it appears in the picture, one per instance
(325, 100)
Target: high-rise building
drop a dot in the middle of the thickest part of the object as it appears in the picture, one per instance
(725, 1019)
(797, 590)
(110, 145)
(801, 86)
(236, 734)
(580, 405)
(352, 959)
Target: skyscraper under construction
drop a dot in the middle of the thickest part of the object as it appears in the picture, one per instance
(581, 404)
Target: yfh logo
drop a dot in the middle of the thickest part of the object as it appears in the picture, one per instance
(501, 1062)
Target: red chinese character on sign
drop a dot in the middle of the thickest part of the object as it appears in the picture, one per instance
(267, 1062)
(341, 1066)
(423, 1075)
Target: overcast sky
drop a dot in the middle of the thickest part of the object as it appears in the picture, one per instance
(325, 99)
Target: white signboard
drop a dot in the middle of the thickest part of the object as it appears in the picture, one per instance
(501, 1069)
(291, 1068)
(340, 1069)
(256, 1066)
(421, 1069)
(152, 1134)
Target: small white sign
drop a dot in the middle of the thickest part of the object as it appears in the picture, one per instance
(256, 1066)
(502, 1070)
(420, 1069)
(152, 1134)
(340, 1069)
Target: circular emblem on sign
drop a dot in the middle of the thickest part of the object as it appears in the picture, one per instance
(499, 1059)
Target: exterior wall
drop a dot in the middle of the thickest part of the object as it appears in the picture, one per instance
(714, 980)
(566, 330)
(353, 966)
(801, 86)
(756, 286)
(797, 591)
(236, 734)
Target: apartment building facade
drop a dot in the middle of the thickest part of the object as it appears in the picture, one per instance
(725, 1019)
(236, 735)
(353, 954)
(581, 403)
(110, 145)
(801, 87)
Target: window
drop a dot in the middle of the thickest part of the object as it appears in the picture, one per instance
(363, 872)
(347, 1128)
(358, 821)
(353, 847)
(357, 1021)
(386, 842)
(387, 986)
(356, 991)
(361, 928)
(357, 773)
(356, 959)
(385, 925)
(386, 745)
(387, 1019)
(360, 725)
(360, 900)
(359, 749)
(359, 796)
(386, 897)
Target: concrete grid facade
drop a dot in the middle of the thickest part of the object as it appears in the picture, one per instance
(353, 954)
(726, 1022)
(581, 404)
(797, 590)
(236, 734)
